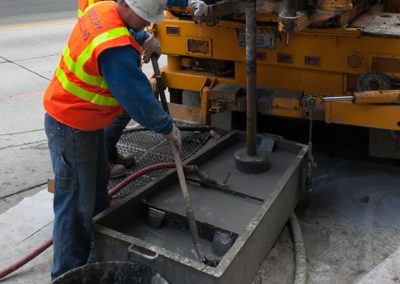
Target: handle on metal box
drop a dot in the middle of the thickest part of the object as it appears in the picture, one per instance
(143, 252)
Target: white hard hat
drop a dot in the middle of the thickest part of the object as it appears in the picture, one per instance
(150, 10)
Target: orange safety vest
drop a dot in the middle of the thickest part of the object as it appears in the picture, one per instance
(83, 4)
(78, 95)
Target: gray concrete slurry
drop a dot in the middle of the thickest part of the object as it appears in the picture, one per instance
(169, 238)
(210, 206)
(224, 165)
(220, 209)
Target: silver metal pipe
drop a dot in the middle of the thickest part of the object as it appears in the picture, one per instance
(251, 84)
(338, 99)
(290, 8)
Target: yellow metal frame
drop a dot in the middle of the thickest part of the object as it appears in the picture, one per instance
(381, 117)
(331, 77)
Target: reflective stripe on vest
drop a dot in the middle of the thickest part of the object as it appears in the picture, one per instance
(77, 69)
(80, 12)
(82, 93)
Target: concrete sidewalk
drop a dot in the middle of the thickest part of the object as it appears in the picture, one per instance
(28, 58)
(24, 228)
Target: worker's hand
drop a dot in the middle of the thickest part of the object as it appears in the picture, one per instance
(200, 8)
(150, 46)
(175, 138)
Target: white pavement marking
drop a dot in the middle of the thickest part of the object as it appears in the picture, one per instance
(37, 24)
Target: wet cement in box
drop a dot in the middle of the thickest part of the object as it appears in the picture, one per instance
(214, 210)
(221, 209)
(151, 148)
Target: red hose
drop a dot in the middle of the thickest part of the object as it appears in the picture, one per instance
(139, 173)
(26, 259)
(111, 192)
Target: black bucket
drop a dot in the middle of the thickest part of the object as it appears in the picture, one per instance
(113, 272)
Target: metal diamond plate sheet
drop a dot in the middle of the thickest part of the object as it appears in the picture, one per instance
(150, 148)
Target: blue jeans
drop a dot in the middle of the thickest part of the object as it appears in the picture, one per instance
(81, 171)
(113, 132)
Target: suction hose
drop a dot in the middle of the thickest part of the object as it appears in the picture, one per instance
(111, 192)
(299, 251)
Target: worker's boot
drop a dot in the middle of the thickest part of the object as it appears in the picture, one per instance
(127, 160)
(117, 171)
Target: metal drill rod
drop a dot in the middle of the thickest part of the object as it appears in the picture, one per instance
(194, 231)
(338, 99)
(251, 84)
(368, 97)
(189, 211)
(160, 85)
(290, 8)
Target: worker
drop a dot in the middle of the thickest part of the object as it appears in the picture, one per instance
(119, 162)
(97, 78)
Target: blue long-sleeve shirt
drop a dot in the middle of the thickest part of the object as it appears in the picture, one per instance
(130, 86)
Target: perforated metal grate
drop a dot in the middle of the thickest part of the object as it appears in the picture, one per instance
(150, 148)
(386, 65)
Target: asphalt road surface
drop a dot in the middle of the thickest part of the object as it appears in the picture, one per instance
(15, 12)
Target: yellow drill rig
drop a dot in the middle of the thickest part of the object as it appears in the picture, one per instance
(336, 60)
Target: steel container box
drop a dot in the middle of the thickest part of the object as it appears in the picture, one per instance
(253, 212)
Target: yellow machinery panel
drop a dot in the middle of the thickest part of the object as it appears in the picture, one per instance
(317, 62)
(383, 117)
